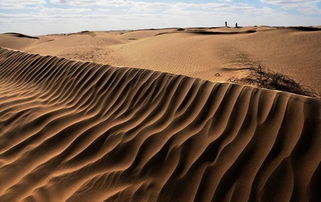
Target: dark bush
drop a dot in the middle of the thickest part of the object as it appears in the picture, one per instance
(275, 81)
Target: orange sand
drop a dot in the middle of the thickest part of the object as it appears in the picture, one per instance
(206, 53)
(79, 131)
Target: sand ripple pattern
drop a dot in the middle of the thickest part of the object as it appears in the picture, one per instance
(75, 131)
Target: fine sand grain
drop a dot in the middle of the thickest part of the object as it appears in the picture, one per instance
(214, 54)
(80, 131)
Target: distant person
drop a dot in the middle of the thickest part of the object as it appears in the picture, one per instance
(236, 25)
(225, 23)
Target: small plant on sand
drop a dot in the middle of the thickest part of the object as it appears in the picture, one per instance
(275, 81)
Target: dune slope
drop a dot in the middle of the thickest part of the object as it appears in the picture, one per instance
(79, 131)
(214, 54)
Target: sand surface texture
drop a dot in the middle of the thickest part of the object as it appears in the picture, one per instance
(79, 131)
(215, 54)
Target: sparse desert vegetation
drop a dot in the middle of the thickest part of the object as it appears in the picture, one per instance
(265, 78)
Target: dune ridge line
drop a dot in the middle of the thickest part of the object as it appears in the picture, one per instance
(79, 131)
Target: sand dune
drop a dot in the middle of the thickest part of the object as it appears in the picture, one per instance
(16, 41)
(79, 131)
(197, 52)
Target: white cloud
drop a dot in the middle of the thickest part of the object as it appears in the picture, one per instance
(150, 7)
(289, 2)
(303, 6)
(62, 11)
(90, 2)
(20, 4)
(77, 15)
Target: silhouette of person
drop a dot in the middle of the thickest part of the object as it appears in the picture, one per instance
(235, 25)
(225, 24)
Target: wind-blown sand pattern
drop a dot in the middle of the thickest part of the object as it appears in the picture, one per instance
(79, 131)
(214, 54)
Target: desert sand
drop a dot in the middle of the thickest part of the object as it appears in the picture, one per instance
(214, 54)
(73, 128)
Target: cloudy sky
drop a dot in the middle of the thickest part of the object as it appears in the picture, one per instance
(37, 17)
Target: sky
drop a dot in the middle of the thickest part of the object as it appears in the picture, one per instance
(38, 17)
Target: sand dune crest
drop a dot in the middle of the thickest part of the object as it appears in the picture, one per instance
(75, 131)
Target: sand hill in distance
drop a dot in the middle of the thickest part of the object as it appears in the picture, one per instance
(214, 54)
(161, 115)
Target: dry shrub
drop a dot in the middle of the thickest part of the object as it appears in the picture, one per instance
(275, 81)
